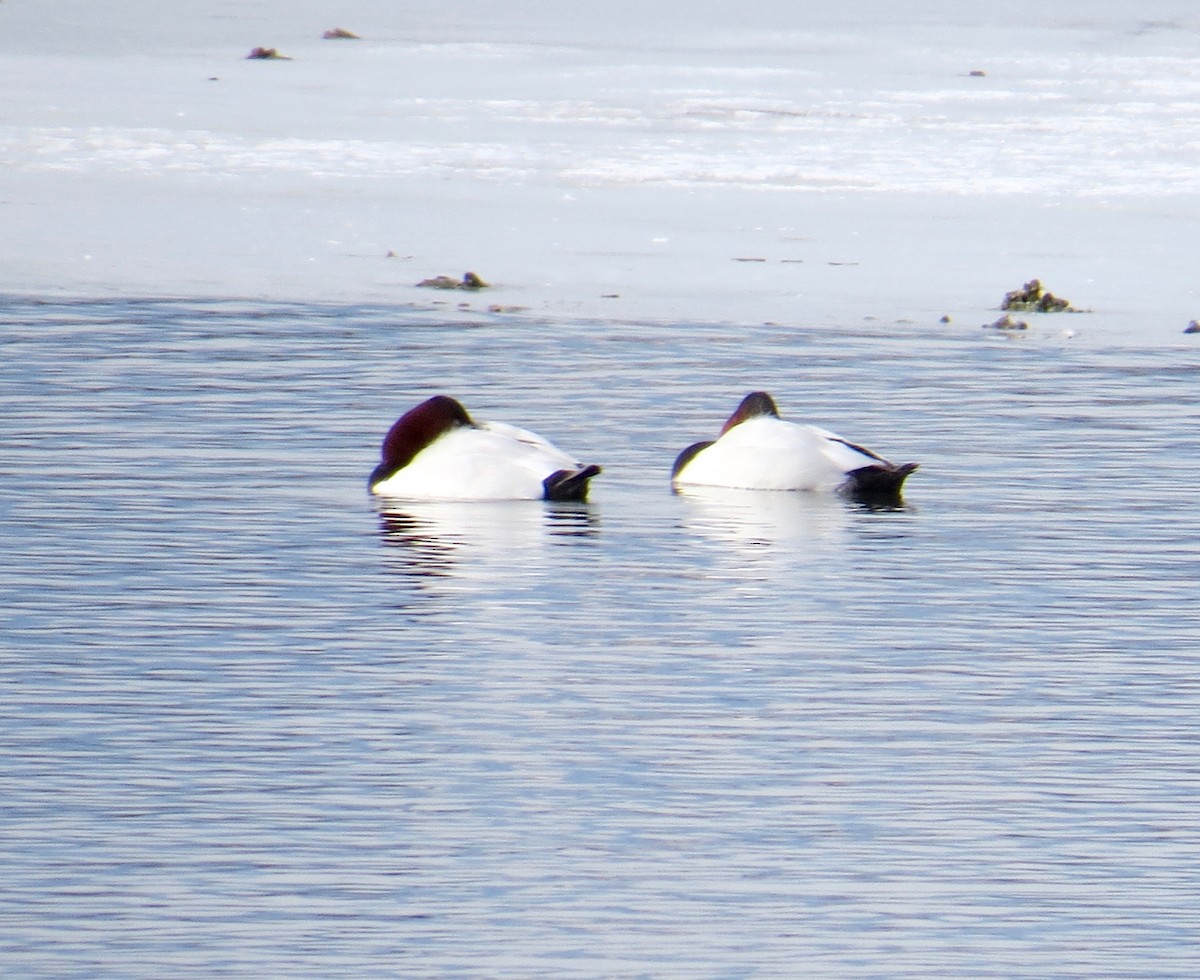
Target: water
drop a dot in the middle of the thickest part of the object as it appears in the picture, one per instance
(251, 725)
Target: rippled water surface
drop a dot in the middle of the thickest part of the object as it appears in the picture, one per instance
(252, 725)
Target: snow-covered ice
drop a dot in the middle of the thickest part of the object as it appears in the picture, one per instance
(710, 161)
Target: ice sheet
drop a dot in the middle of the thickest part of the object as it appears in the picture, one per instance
(671, 161)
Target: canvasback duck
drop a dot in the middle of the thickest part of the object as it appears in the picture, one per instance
(757, 450)
(437, 452)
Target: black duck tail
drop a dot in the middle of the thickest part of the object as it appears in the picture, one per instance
(569, 484)
(877, 485)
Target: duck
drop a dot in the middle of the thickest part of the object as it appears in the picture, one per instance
(436, 451)
(758, 450)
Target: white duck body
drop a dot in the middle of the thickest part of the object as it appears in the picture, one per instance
(757, 450)
(436, 452)
(767, 453)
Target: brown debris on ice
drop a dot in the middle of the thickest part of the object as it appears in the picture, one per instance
(340, 32)
(469, 281)
(266, 54)
(1007, 323)
(1032, 298)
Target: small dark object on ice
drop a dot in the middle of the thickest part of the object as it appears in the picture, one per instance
(340, 32)
(469, 281)
(266, 54)
(1192, 327)
(1032, 298)
(1006, 322)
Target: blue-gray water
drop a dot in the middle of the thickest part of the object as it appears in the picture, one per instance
(252, 726)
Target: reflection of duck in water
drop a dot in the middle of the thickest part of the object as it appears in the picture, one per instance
(757, 450)
(436, 451)
(750, 522)
(447, 525)
(479, 541)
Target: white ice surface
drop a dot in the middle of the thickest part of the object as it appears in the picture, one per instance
(775, 161)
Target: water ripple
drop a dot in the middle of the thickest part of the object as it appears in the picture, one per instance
(255, 724)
